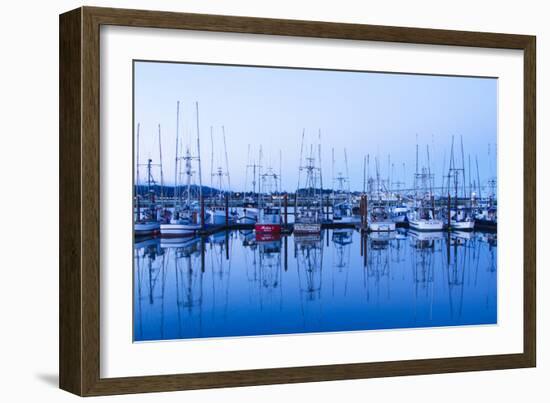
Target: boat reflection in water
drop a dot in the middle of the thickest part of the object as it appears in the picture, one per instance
(239, 284)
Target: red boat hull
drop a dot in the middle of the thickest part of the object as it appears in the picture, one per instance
(268, 229)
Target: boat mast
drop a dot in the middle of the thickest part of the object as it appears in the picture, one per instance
(463, 169)
(211, 159)
(364, 173)
(176, 190)
(347, 175)
(226, 161)
(161, 173)
(199, 153)
(137, 175)
(320, 174)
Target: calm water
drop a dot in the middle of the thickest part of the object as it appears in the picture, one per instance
(233, 285)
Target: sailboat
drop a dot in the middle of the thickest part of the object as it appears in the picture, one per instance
(186, 219)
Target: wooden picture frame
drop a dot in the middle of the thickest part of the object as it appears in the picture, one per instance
(79, 346)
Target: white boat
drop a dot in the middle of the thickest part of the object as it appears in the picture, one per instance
(381, 226)
(466, 225)
(426, 224)
(307, 228)
(217, 216)
(250, 215)
(179, 229)
(146, 228)
(379, 221)
(399, 214)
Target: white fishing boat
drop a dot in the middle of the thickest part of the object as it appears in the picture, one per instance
(426, 224)
(309, 199)
(147, 219)
(249, 215)
(399, 214)
(460, 216)
(379, 221)
(424, 217)
(186, 220)
(342, 207)
(217, 216)
(146, 228)
(269, 219)
(466, 225)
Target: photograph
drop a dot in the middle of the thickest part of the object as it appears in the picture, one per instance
(275, 200)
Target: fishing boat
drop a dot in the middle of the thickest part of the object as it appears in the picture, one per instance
(422, 220)
(269, 218)
(399, 214)
(424, 217)
(460, 217)
(379, 220)
(218, 211)
(342, 206)
(250, 212)
(147, 220)
(486, 218)
(309, 201)
(249, 215)
(186, 220)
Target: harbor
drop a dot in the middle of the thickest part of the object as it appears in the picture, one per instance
(196, 206)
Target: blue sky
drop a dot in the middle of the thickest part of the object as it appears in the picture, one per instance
(366, 113)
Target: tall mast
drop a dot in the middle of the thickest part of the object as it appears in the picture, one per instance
(199, 153)
(211, 159)
(320, 173)
(347, 174)
(280, 172)
(161, 172)
(176, 190)
(226, 161)
(333, 176)
(260, 177)
(301, 155)
(364, 173)
(137, 174)
(463, 169)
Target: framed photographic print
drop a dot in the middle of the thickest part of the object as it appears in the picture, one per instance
(249, 201)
